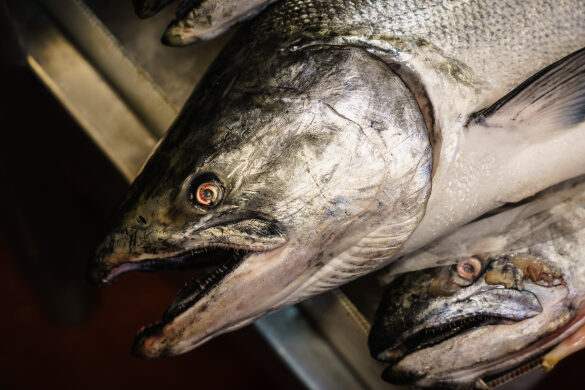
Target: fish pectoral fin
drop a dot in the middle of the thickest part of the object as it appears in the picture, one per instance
(551, 100)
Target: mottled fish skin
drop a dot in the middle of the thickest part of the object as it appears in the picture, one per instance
(466, 54)
(475, 335)
(253, 128)
(204, 20)
(322, 121)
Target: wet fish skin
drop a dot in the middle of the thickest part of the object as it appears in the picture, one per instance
(294, 89)
(201, 20)
(208, 19)
(455, 69)
(457, 356)
(320, 134)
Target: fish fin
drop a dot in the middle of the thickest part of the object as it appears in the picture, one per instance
(552, 99)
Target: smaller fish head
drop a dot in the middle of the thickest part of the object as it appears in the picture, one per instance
(269, 172)
(436, 335)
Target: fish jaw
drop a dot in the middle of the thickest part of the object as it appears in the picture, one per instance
(153, 248)
(321, 145)
(209, 19)
(420, 325)
(257, 286)
(485, 352)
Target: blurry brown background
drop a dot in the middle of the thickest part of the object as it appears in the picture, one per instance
(57, 191)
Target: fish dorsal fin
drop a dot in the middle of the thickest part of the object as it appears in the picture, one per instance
(553, 99)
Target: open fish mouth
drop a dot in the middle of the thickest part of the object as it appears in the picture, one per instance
(205, 257)
(221, 261)
(190, 259)
(506, 306)
(198, 287)
(429, 336)
(480, 351)
(194, 290)
(487, 374)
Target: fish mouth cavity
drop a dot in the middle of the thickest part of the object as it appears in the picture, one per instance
(200, 286)
(426, 338)
(190, 259)
(224, 259)
(430, 336)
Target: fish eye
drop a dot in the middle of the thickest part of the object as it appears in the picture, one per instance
(206, 191)
(469, 268)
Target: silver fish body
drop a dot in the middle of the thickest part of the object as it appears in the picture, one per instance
(438, 329)
(312, 143)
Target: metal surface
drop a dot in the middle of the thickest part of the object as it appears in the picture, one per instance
(306, 352)
(111, 123)
(347, 330)
(100, 47)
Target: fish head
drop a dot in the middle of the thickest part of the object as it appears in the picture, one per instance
(271, 172)
(466, 325)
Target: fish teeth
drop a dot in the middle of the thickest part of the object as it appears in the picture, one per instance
(481, 385)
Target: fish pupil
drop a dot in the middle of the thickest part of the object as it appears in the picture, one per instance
(468, 268)
(206, 191)
(207, 194)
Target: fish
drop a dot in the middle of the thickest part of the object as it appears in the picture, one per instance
(201, 20)
(330, 137)
(489, 317)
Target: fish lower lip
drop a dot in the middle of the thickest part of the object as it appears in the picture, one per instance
(511, 305)
(434, 335)
(191, 293)
(198, 287)
(423, 339)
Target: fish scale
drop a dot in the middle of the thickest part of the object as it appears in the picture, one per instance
(468, 31)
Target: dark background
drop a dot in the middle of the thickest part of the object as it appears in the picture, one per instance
(57, 192)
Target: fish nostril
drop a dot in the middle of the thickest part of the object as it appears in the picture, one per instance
(141, 220)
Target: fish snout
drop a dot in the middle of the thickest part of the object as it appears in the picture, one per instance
(147, 343)
(114, 255)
